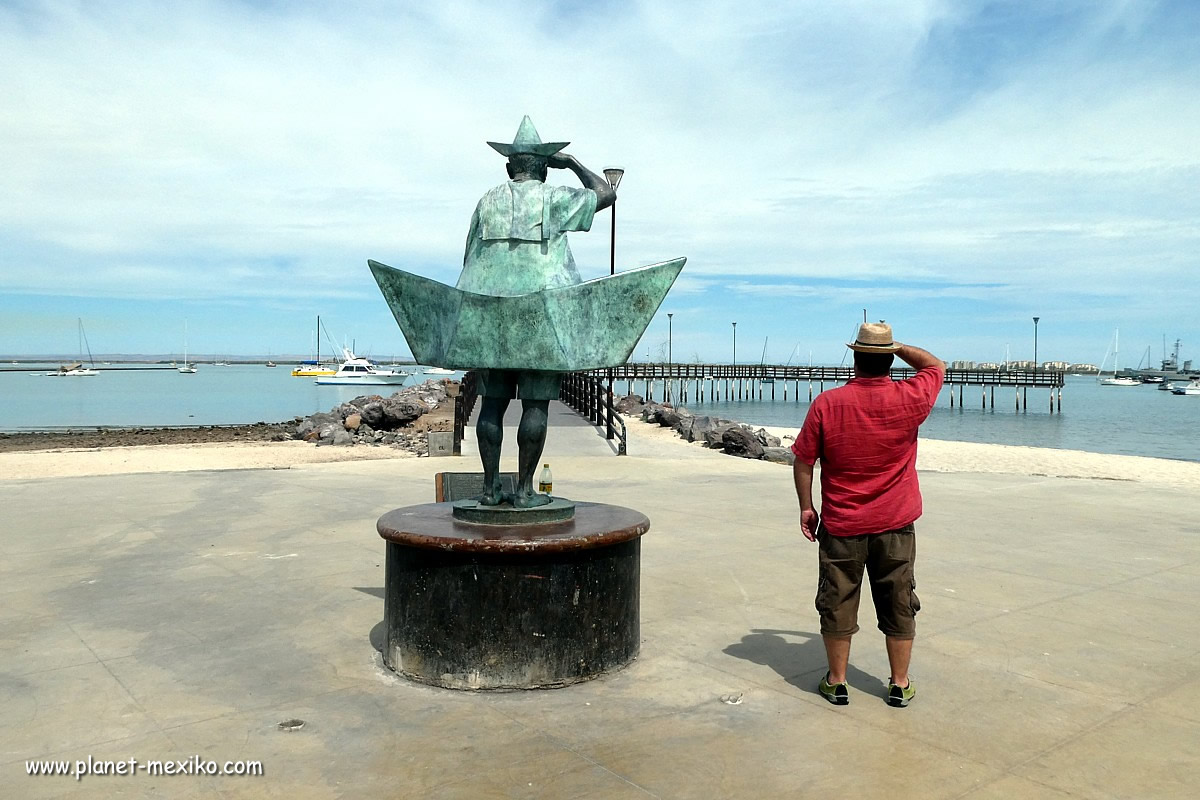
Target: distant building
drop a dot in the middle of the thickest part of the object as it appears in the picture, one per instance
(1055, 366)
(962, 365)
(1083, 368)
(988, 365)
(1021, 365)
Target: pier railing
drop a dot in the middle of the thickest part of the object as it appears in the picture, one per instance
(464, 404)
(704, 382)
(588, 394)
(768, 373)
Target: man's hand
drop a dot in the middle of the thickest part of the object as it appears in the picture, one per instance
(808, 524)
(560, 161)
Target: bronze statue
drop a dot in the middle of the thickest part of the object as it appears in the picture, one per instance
(520, 314)
(517, 244)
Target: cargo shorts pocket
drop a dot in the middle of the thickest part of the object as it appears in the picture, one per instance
(914, 601)
(823, 601)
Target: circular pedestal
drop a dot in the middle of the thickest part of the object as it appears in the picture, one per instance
(471, 606)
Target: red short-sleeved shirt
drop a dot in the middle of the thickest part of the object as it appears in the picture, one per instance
(865, 435)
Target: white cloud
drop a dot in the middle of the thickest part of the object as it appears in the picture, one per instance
(232, 150)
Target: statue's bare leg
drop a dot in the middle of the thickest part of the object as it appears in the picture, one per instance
(489, 431)
(531, 440)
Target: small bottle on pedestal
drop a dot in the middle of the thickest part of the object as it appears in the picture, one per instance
(546, 481)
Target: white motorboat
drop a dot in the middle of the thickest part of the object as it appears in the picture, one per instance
(1191, 387)
(356, 371)
(439, 371)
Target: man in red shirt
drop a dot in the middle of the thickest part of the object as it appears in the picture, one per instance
(865, 436)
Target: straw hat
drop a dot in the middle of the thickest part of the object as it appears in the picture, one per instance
(874, 337)
(527, 141)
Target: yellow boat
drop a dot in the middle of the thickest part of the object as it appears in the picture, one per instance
(314, 368)
(309, 370)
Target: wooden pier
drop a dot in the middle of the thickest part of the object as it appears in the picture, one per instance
(701, 383)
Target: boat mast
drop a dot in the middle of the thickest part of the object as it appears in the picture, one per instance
(83, 338)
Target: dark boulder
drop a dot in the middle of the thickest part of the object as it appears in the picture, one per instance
(714, 437)
(683, 426)
(308, 427)
(396, 412)
(766, 439)
(630, 404)
(741, 442)
(779, 455)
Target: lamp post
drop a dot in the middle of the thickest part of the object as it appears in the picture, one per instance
(669, 335)
(613, 175)
(735, 344)
(1035, 357)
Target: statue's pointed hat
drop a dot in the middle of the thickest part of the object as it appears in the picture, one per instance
(528, 141)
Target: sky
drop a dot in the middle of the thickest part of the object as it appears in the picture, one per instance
(955, 167)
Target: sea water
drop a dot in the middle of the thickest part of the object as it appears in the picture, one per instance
(1137, 420)
(163, 397)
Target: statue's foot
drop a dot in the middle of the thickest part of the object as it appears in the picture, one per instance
(493, 498)
(530, 500)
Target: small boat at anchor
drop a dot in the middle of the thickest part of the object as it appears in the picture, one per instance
(1192, 387)
(77, 370)
(314, 367)
(1115, 379)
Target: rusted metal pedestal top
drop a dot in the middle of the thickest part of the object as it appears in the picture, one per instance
(432, 526)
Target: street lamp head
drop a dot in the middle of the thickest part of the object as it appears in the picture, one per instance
(670, 314)
(1035, 320)
(613, 175)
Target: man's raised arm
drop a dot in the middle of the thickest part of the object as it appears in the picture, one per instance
(917, 358)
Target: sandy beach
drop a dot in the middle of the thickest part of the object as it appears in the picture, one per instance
(933, 456)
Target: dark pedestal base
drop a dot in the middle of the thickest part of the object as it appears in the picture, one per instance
(511, 607)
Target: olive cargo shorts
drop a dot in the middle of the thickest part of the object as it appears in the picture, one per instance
(888, 559)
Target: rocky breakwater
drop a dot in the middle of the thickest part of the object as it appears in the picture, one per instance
(401, 420)
(729, 436)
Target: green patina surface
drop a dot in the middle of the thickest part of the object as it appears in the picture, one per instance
(589, 325)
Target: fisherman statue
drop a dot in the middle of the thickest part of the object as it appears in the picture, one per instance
(520, 316)
(517, 244)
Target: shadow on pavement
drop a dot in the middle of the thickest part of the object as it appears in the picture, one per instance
(800, 663)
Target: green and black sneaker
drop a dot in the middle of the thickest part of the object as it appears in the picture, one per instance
(900, 697)
(836, 693)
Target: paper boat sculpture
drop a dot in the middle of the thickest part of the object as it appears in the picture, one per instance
(589, 325)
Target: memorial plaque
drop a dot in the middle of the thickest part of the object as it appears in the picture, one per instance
(451, 486)
(441, 443)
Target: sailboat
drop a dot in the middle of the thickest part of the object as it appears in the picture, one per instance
(314, 367)
(1114, 380)
(77, 370)
(761, 362)
(187, 368)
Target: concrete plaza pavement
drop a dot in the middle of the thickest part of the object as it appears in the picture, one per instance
(161, 616)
